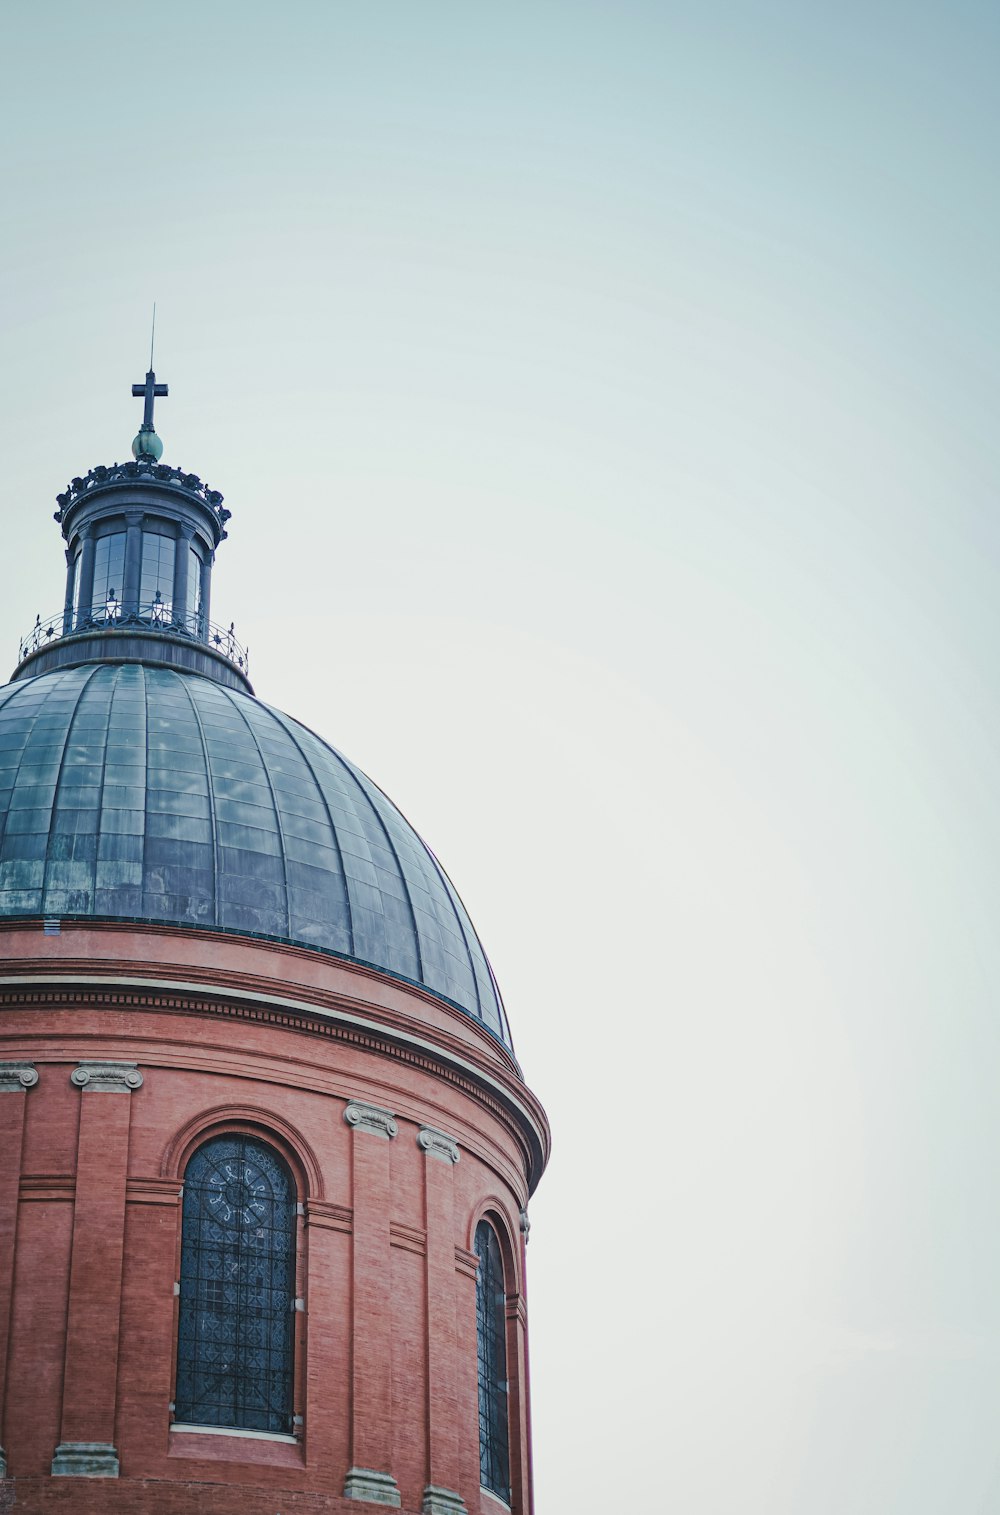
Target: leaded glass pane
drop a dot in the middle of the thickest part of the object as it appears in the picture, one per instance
(235, 1338)
(491, 1329)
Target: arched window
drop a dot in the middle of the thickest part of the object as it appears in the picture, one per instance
(234, 1342)
(491, 1333)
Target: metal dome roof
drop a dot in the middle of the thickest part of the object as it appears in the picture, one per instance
(139, 792)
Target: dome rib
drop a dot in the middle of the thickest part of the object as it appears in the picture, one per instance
(277, 810)
(391, 846)
(286, 725)
(439, 872)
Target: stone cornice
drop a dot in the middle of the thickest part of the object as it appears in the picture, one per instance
(239, 980)
(493, 1086)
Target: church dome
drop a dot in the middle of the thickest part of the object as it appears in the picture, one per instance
(132, 791)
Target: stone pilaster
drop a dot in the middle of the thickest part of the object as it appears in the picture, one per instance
(90, 1373)
(369, 1478)
(443, 1449)
(15, 1081)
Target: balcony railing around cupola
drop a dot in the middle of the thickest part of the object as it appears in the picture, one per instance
(156, 617)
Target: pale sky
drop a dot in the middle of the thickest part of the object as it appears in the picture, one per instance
(605, 396)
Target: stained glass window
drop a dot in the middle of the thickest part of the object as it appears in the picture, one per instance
(491, 1333)
(235, 1338)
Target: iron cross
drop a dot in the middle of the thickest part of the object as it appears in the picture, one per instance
(150, 390)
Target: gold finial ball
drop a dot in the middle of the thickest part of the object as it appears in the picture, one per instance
(147, 445)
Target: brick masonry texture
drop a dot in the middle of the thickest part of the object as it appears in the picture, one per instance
(90, 1236)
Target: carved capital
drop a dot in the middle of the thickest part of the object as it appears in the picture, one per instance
(371, 1118)
(17, 1076)
(525, 1224)
(107, 1078)
(437, 1144)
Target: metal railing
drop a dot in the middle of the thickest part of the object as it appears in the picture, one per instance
(157, 617)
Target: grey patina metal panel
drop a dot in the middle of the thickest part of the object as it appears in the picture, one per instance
(130, 790)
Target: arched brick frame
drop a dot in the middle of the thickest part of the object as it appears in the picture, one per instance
(269, 1128)
(496, 1212)
(248, 1120)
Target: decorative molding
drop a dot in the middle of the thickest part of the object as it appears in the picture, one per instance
(17, 1077)
(373, 1487)
(525, 1224)
(128, 473)
(516, 1309)
(437, 1144)
(439, 1501)
(371, 1118)
(153, 1191)
(408, 1238)
(85, 1459)
(50, 1186)
(166, 996)
(329, 1217)
(466, 1262)
(107, 1078)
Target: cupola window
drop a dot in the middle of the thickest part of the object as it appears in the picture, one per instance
(192, 609)
(156, 587)
(109, 574)
(491, 1331)
(236, 1324)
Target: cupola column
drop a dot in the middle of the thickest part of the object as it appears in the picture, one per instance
(133, 563)
(85, 599)
(90, 1375)
(182, 558)
(70, 585)
(206, 594)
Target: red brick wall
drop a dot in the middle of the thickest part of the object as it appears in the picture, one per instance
(385, 1369)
